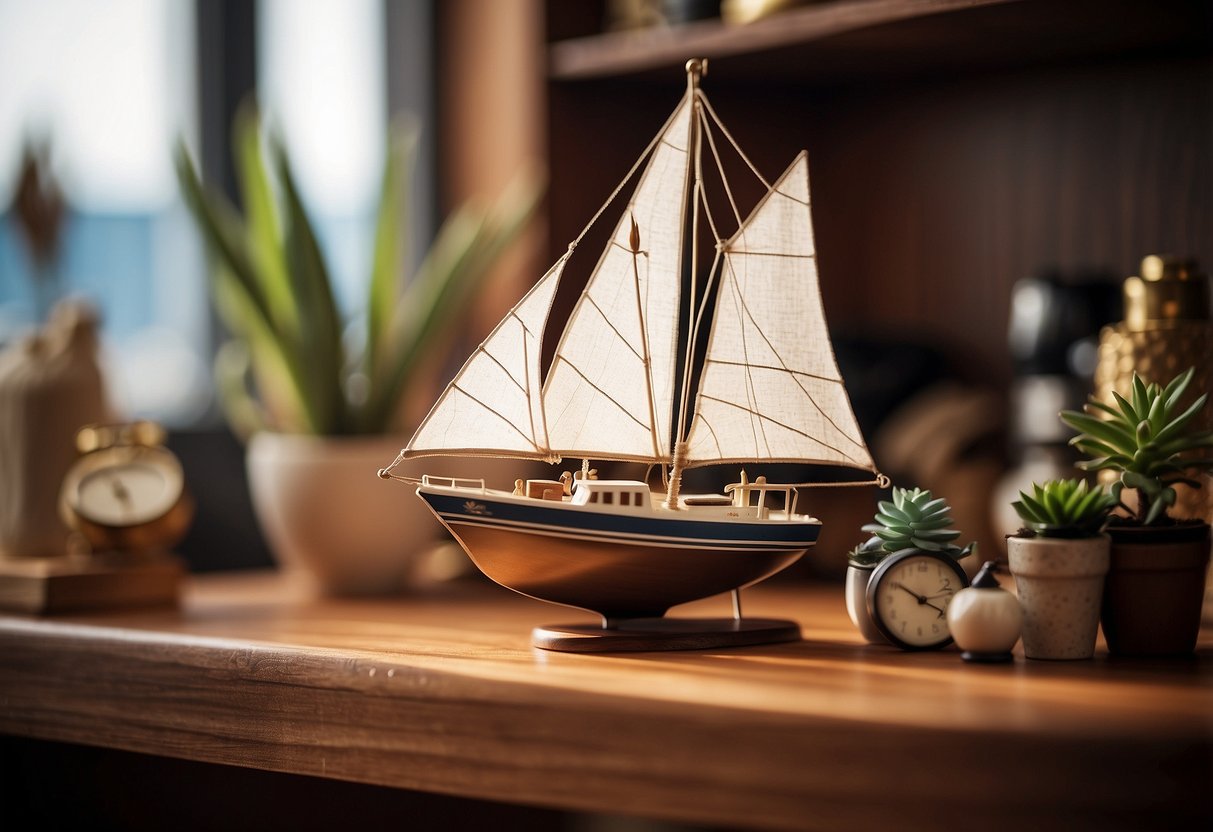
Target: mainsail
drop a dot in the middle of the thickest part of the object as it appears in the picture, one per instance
(598, 397)
(493, 406)
(770, 388)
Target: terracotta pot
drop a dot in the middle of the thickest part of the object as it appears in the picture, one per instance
(325, 513)
(1155, 589)
(1060, 584)
(857, 602)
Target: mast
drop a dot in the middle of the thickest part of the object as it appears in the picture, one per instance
(696, 69)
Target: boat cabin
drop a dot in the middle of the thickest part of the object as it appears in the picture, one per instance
(625, 494)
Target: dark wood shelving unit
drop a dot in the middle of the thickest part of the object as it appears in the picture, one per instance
(955, 147)
(827, 41)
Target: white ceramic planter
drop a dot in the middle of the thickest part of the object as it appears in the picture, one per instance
(857, 603)
(1060, 583)
(324, 511)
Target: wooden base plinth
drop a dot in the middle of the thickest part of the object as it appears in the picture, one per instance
(80, 582)
(652, 634)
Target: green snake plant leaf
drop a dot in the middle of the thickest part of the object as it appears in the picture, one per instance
(263, 223)
(220, 228)
(320, 323)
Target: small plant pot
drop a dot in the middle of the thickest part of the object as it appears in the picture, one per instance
(857, 602)
(1155, 589)
(1060, 585)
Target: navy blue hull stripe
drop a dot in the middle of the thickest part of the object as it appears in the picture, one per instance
(621, 527)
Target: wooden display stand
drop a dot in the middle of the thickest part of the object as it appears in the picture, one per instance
(89, 582)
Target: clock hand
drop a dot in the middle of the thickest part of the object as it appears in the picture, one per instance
(919, 598)
(941, 610)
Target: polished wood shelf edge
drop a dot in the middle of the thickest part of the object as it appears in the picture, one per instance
(442, 693)
(635, 51)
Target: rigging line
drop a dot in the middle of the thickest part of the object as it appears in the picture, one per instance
(604, 393)
(708, 106)
(533, 443)
(826, 379)
(712, 431)
(613, 328)
(713, 276)
(635, 167)
(734, 250)
(764, 418)
(745, 307)
(508, 374)
(720, 169)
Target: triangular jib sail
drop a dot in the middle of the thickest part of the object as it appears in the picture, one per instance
(493, 405)
(770, 388)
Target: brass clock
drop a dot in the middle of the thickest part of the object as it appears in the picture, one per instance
(126, 492)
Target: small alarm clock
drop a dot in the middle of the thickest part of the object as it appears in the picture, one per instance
(908, 598)
(126, 492)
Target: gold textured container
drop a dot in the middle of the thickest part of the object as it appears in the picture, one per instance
(1166, 329)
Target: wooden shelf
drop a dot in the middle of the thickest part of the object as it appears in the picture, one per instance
(829, 41)
(443, 693)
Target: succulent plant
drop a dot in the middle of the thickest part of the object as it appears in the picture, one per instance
(913, 520)
(1065, 508)
(1145, 441)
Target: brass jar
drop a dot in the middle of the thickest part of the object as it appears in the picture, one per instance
(1166, 329)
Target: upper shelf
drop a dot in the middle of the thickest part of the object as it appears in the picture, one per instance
(828, 41)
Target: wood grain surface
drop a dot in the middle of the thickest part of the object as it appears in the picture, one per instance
(442, 692)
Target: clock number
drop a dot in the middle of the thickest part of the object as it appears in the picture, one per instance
(923, 567)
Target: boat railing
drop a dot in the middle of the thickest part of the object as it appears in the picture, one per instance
(454, 482)
(743, 492)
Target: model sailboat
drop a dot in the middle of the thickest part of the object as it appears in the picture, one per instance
(620, 389)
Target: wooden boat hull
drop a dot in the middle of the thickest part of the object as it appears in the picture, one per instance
(620, 566)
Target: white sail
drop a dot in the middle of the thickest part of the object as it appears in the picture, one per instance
(493, 406)
(598, 397)
(770, 389)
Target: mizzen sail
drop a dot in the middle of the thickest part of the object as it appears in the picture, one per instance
(770, 387)
(599, 399)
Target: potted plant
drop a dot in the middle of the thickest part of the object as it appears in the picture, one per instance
(1059, 562)
(321, 409)
(1155, 586)
(913, 520)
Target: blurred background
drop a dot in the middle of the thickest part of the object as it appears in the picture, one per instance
(983, 181)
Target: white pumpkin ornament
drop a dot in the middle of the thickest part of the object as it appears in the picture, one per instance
(985, 619)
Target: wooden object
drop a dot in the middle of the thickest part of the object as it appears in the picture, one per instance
(87, 582)
(444, 693)
(638, 635)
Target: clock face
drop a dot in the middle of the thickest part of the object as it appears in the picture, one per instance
(128, 486)
(908, 597)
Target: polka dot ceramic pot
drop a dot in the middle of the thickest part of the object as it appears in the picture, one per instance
(1060, 583)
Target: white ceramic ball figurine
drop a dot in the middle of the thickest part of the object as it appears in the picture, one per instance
(985, 619)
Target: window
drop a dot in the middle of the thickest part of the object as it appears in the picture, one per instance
(109, 87)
